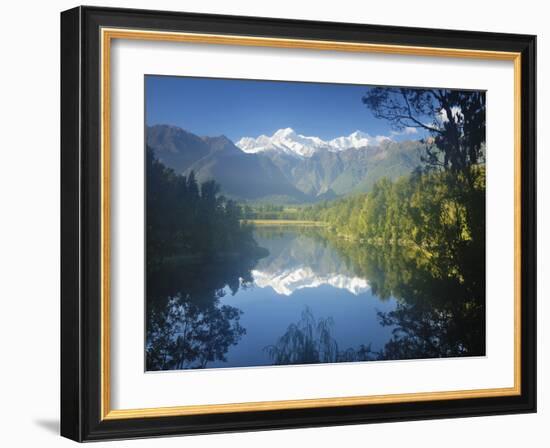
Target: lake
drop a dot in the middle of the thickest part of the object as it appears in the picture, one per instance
(302, 272)
(306, 296)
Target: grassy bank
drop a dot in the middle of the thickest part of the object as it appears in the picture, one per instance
(285, 222)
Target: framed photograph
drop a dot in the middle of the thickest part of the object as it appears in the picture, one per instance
(274, 223)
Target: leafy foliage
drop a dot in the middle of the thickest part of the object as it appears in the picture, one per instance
(197, 249)
(421, 240)
(454, 118)
(310, 341)
(192, 221)
(185, 335)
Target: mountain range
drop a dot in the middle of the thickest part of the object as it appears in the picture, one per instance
(286, 167)
(287, 141)
(296, 261)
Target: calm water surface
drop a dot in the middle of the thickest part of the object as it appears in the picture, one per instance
(305, 300)
(302, 271)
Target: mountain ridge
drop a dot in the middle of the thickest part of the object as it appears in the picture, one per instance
(287, 141)
(297, 170)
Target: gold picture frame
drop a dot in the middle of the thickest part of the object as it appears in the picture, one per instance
(108, 30)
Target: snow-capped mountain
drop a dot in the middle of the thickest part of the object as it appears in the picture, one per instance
(287, 281)
(297, 261)
(289, 142)
(356, 140)
(285, 168)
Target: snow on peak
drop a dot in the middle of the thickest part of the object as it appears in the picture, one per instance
(289, 142)
(355, 140)
(287, 281)
(284, 133)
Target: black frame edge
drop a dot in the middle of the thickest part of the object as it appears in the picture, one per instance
(71, 384)
(529, 222)
(80, 218)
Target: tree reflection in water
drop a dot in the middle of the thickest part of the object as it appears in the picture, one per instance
(187, 326)
(440, 309)
(440, 304)
(311, 341)
(438, 278)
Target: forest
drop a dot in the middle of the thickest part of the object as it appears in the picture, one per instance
(185, 219)
(196, 248)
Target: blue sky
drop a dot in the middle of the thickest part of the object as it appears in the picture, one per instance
(245, 108)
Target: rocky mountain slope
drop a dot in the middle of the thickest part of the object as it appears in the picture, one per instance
(286, 167)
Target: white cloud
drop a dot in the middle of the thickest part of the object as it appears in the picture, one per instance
(408, 130)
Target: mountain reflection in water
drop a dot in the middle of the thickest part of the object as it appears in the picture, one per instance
(308, 301)
(299, 260)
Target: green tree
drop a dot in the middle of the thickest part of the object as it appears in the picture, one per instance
(455, 119)
(185, 219)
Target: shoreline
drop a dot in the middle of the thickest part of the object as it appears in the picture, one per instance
(284, 222)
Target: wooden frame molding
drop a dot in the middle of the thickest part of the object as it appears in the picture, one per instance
(87, 35)
(107, 36)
